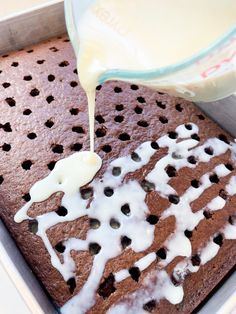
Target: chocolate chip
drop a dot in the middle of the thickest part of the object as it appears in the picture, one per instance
(72, 284)
(125, 242)
(49, 124)
(125, 209)
(26, 197)
(135, 273)
(60, 247)
(134, 87)
(232, 220)
(171, 171)
(138, 110)
(152, 219)
(173, 135)
(195, 183)
(192, 160)
(33, 226)
(163, 120)
(143, 123)
(117, 90)
(141, 100)
(176, 155)
(32, 135)
(160, 104)
(62, 211)
(26, 165)
(119, 119)
(107, 148)
(99, 118)
(229, 167)
(116, 171)
(124, 137)
(177, 278)
(119, 107)
(94, 248)
(196, 260)
(10, 101)
(147, 186)
(34, 92)
(63, 64)
(174, 199)
(135, 157)
(207, 214)
(218, 239)
(209, 151)
(155, 145)
(49, 99)
(51, 165)
(114, 223)
(149, 306)
(201, 117)
(76, 147)
(107, 287)
(57, 149)
(94, 223)
(161, 253)
(86, 193)
(80, 130)
(188, 127)
(195, 137)
(6, 147)
(108, 191)
(223, 194)
(188, 234)
(214, 178)
(179, 108)
(223, 138)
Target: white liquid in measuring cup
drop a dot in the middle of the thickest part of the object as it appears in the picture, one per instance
(143, 35)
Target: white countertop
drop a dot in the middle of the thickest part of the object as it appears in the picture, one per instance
(14, 6)
(10, 297)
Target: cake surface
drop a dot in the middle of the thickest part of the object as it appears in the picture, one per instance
(44, 119)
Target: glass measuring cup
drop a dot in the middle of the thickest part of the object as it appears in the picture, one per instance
(206, 76)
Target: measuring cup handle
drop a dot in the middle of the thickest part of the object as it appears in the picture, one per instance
(74, 10)
(71, 24)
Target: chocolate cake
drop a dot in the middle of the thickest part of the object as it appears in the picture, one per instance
(160, 214)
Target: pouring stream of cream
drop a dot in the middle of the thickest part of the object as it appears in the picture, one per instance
(140, 35)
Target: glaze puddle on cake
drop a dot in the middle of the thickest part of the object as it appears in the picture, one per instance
(112, 195)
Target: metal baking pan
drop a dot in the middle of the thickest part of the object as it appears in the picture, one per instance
(29, 27)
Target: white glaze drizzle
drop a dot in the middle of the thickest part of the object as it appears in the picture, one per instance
(106, 208)
(186, 219)
(157, 285)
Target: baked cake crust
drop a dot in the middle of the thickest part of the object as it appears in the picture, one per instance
(44, 118)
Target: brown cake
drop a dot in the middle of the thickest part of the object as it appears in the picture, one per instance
(44, 119)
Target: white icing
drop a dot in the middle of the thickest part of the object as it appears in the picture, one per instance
(177, 245)
(144, 262)
(231, 187)
(156, 286)
(68, 176)
(216, 204)
(121, 275)
(230, 232)
(209, 252)
(79, 169)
